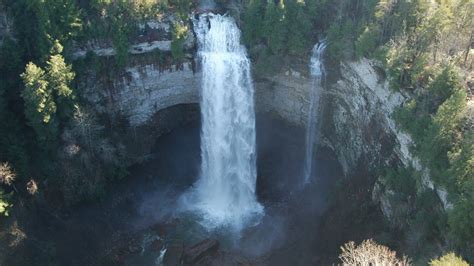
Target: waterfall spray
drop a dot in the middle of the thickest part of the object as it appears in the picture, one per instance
(312, 129)
(225, 193)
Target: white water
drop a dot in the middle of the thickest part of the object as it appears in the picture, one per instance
(312, 129)
(225, 193)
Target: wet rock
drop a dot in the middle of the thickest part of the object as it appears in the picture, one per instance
(163, 228)
(134, 246)
(156, 245)
(159, 228)
(205, 248)
(225, 258)
(174, 255)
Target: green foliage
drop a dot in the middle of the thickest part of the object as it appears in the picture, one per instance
(179, 34)
(44, 93)
(444, 85)
(252, 31)
(7, 177)
(405, 65)
(121, 46)
(402, 180)
(340, 38)
(119, 22)
(284, 28)
(428, 219)
(39, 23)
(181, 7)
(147, 9)
(461, 159)
(299, 26)
(344, 22)
(60, 76)
(40, 106)
(449, 259)
(436, 121)
(445, 135)
(12, 132)
(460, 219)
(367, 43)
(275, 27)
(121, 27)
(5, 204)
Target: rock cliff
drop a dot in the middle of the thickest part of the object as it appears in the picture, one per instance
(355, 120)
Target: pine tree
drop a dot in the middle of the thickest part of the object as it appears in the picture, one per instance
(299, 26)
(46, 93)
(253, 22)
(275, 27)
(40, 106)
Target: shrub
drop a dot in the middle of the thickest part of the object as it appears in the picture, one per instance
(449, 259)
(179, 34)
(369, 253)
(4, 202)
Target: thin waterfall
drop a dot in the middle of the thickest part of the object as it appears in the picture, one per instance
(225, 192)
(312, 129)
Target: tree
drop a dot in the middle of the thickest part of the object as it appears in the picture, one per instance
(46, 93)
(449, 259)
(299, 26)
(40, 107)
(369, 253)
(460, 220)
(252, 28)
(60, 76)
(179, 34)
(275, 27)
(121, 28)
(7, 176)
(444, 85)
(367, 41)
(38, 23)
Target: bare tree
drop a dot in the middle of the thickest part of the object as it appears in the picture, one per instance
(7, 175)
(369, 253)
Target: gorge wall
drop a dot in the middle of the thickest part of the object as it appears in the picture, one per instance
(356, 121)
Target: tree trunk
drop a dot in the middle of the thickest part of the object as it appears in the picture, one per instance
(468, 48)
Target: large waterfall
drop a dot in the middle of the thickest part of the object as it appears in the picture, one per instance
(225, 192)
(317, 73)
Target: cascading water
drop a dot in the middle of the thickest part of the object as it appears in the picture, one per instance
(225, 192)
(317, 74)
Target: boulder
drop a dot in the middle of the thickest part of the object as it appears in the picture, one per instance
(156, 245)
(205, 248)
(173, 255)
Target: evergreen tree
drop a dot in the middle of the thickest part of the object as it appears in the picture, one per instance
(60, 76)
(44, 92)
(40, 107)
(253, 21)
(275, 27)
(299, 26)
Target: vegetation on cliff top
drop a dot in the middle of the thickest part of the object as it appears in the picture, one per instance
(425, 47)
(49, 134)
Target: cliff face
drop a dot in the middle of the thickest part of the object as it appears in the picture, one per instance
(285, 95)
(143, 90)
(355, 120)
(357, 124)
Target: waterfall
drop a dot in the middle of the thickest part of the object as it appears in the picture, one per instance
(312, 129)
(225, 192)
